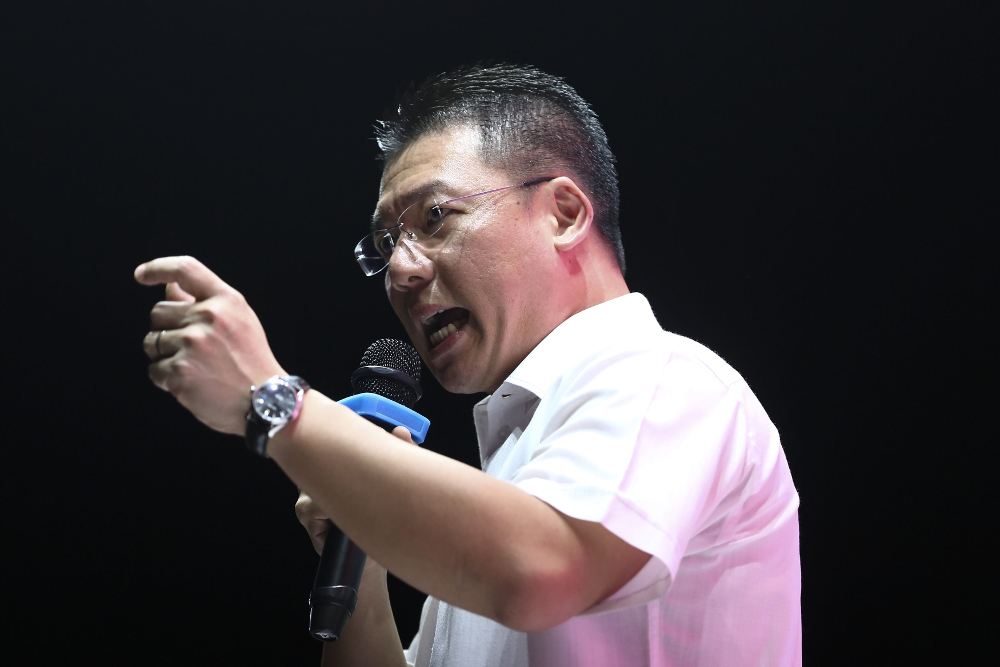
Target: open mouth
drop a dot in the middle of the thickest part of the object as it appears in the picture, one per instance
(444, 323)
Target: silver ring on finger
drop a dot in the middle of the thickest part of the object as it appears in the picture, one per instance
(159, 353)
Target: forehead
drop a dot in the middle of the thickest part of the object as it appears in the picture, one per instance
(442, 161)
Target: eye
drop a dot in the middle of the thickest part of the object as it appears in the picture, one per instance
(434, 219)
(385, 241)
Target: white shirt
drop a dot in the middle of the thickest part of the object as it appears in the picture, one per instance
(611, 419)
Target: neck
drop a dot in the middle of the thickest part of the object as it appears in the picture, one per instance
(592, 276)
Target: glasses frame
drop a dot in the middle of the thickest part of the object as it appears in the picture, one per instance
(394, 237)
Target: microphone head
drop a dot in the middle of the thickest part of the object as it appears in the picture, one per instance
(390, 368)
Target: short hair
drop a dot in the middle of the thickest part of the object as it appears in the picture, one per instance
(530, 124)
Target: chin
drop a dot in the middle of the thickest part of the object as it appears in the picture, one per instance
(457, 382)
(455, 385)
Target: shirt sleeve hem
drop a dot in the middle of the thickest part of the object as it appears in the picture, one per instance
(625, 521)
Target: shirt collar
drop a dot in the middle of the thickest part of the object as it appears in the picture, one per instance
(566, 344)
(578, 335)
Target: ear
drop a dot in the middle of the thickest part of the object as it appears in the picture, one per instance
(572, 212)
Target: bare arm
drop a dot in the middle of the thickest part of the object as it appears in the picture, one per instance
(448, 529)
(445, 528)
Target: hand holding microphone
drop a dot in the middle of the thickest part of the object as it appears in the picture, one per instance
(389, 379)
(317, 523)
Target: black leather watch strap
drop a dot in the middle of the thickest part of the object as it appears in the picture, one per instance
(256, 434)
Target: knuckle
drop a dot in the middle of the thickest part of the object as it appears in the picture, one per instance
(192, 338)
(175, 384)
(165, 380)
(211, 313)
(208, 311)
(159, 313)
(181, 369)
(172, 384)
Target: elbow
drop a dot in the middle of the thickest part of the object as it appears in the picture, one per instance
(540, 598)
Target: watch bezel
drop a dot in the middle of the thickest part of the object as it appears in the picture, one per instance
(260, 427)
(292, 382)
(264, 403)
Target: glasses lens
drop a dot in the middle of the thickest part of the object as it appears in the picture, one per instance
(434, 220)
(420, 222)
(374, 251)
(369, 254)
(384, 242)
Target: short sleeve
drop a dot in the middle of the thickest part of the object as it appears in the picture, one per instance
(651, 445)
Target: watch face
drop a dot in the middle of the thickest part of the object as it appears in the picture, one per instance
(274, 401)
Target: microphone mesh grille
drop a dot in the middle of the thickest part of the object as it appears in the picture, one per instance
(399, 356)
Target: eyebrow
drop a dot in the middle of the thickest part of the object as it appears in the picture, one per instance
(439, 185)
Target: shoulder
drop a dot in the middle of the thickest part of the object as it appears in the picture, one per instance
(698, 362)
(617, 352)
(637, 352)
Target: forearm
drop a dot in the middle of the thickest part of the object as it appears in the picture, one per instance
(446, 528)
(370, 637)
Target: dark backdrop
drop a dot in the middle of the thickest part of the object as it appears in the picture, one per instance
(805, 189)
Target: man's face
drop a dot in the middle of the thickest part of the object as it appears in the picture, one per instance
(483, 273)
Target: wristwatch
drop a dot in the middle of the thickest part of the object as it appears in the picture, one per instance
(272, 405)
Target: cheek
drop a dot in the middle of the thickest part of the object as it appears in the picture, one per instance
(390, 295)
(486, 251)
(398, 307)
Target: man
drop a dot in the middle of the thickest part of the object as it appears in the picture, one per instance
(636, 507)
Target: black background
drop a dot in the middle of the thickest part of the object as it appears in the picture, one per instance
(806, 188)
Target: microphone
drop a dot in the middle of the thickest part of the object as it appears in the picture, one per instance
(389, 382)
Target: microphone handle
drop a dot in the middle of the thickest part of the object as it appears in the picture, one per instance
(335, 592)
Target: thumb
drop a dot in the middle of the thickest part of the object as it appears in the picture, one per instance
(175, 292)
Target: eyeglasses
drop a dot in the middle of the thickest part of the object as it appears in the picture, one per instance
(374, 251)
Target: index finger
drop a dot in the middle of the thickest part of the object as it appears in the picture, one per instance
(191, 275)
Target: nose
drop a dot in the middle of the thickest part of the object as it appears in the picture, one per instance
(409, 268)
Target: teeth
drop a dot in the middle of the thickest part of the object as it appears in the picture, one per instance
(433, 316)
(446, 331)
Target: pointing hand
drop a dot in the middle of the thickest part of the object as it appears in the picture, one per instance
(206, 343)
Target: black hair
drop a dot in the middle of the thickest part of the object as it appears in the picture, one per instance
(531, 124)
